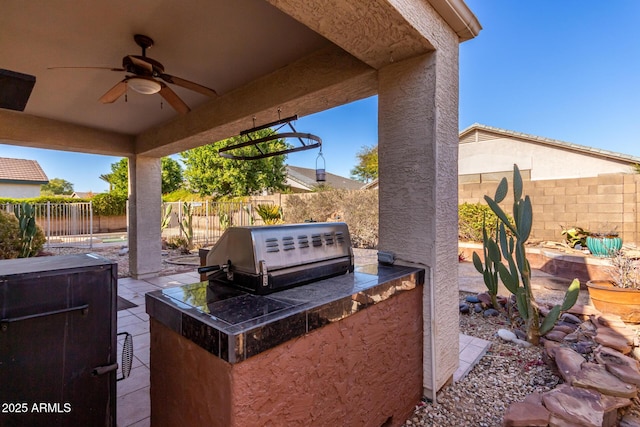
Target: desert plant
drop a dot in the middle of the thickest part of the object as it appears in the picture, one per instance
(166, 217)
(177, 242)
(624, 271)
(11, 242)
(517, 278)
(270, 214)
(30, 244)
(186, 224)
(575, 236)
(225, 221)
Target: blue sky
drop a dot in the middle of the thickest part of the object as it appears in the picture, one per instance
(567, 70)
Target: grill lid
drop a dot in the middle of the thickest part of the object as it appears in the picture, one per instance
(280, 246)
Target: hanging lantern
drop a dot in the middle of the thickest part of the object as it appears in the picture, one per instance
(320, 172)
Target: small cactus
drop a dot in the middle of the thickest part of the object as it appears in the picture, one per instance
(28, 228)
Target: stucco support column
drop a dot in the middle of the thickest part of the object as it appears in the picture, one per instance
(418, 164)
(145, 197)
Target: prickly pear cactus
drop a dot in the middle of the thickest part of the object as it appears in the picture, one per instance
(505, 258)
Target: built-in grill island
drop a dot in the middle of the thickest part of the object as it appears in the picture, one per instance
(285, 331)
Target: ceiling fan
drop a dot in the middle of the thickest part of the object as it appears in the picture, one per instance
(147, 77)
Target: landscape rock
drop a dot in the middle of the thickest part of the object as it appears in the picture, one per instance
(464, 308)
(506, 335)
(596, 377)
(569, 363)
(572, 337)
(520, 334)
(564, 328)
(615, 324)
(568, 317)
(576, 405)
(584, 347)
(472, 299)
(477, 308)
(490, 312)
(523, 414)
(606, 355)
(485, 299)
(609, 338)
(557, 336)
(522, 343)
(630, 420)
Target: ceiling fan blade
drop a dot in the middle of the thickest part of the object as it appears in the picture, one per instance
(89, 68)
(114, 93)
(173, 99)
(188, 85)
(137, 61)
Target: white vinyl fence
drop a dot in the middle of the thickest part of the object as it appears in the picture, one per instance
(62, 223)
(72, 223)
(208, 219)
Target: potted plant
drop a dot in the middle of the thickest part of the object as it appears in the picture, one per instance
(620, 295)
(604, 243)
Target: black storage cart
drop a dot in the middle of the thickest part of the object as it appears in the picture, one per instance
(58, 341)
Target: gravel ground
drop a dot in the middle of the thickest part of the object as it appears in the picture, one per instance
(506, 374)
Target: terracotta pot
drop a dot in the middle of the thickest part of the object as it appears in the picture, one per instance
(609, 299)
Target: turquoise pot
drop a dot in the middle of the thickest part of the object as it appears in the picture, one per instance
(604, 246)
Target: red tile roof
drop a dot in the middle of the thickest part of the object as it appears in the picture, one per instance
(21, 171)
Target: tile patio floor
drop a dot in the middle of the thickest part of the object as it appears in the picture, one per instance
(133, 403)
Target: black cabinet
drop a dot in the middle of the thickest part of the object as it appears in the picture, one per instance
(58, 341)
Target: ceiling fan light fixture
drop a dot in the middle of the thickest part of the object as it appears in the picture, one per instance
(144, 86)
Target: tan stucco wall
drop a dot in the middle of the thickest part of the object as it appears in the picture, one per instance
(364, 370)
(545, 162)
(19, 191)
(418, 158)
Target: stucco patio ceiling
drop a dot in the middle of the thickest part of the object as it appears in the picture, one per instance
(301, 57)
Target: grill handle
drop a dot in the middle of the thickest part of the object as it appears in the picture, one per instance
(209, 269)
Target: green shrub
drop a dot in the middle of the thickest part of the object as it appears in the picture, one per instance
(109, 204)
(470, 220)
(10, 240)
(358, 209)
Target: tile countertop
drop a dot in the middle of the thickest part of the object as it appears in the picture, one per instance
(235, 325)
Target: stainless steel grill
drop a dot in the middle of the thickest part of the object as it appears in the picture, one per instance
(265, 259)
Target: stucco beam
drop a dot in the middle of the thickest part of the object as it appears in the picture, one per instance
(374, 31)
(17, 128)
(325, 79)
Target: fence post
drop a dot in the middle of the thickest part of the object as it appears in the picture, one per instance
(48, 224)
(90, 225)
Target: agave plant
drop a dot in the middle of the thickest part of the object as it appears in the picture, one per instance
(510, 250)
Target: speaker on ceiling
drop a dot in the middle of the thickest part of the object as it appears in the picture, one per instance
(15, 89)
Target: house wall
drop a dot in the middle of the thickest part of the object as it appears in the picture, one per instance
(601, 203)
(19, 191)
(484, 152)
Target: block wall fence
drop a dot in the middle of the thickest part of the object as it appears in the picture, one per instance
(603, 203)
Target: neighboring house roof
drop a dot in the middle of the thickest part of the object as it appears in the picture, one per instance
(82, 194)
(306, 179)
(479, 132)
(467, 135)
(21, 171)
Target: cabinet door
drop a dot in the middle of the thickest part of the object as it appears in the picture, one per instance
(56, 328)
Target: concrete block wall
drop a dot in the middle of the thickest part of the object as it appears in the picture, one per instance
(602, 203)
